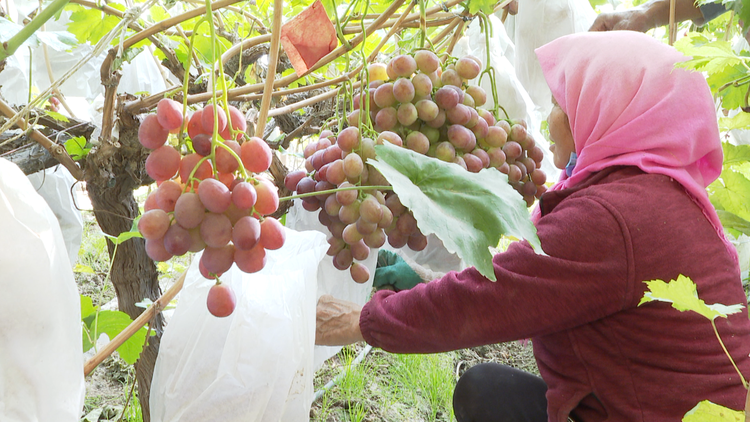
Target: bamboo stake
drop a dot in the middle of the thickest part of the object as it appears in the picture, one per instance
(134, 326)
(57, 151)
(309, 101)
(273, 59)
(672, 26)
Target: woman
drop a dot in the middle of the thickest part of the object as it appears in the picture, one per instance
(631, 207)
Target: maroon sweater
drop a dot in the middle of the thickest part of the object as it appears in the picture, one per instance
(603, 357)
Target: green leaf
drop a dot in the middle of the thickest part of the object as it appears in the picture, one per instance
(739, 121)
(87, 306)
(57, 116)
(708, 56)
(706, 411)
(112, 323)
(485, 6)
(469, 212)
(123, 236)
(83, 269)
(90, 24)
(683, 295)
(734, 154)
(732, 221)
(76, 147)
(731, 192)
(57, 40)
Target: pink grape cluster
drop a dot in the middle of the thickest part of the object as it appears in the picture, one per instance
(433, 111)
(358, 220)
(205, 200)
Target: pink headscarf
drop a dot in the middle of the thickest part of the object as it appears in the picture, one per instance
(628, 105)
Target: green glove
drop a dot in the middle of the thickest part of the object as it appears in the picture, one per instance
(392, 271)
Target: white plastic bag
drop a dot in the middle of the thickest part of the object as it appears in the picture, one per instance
(537, 23)
(254, 365)
(331, 281)
(55, 185)
(41, 354)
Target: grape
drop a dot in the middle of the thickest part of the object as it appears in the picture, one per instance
(225, 161)
(237, 123)
(504, 168)
(188, 163)
(246, 233)
(407, 114)
(537, 176)
(397, 239)
(451, 77)
(306, 185)
(478, 95)
(207, 119)
(197, 244)
(367, 149)
(310, 149)
(468, 101)
(376, 239)
(384, 96)
(353, 165)
(389, 136)
(348, 139)
(467, 68)
(310, 204)
(268, 197)
(386, 119)
(461, 137)
(514, 173)
(323, 186)
(331, 206)
(218, 260)
(156, 251)
(387, 218)
(517, 133)
(438, 121)
(272, 234)
(528, 189)
(215, 196)
(422, 85)
(445, 151)
(404, 65)
(202, 144)
(417, 241)
(163, 163)
(504, 125)
(427, 110)
(370, 209)
(480, 129)
(343, 259)
(376, 72)
(317, 160)
(427, 61)
(353, 118)
(433, 134)
(221, 300)
(349, 214)
(177, 240)
(528, 163)
(256, 155)
(151, 133)
(406, 223)
(150, 202)
(540, 190)
(403, 91)
(394, 204)
(473, 163)
(169, 114)
(346, 197)
(536, 154)
(360, 251)
(292, 178)
(460, 114)
(512, 150)
(496, 136)
(195, 124)
(336, 228)
(483, 156)
(350, 234)
(153, 224)
(244, 195)
(460, 161)
(167, 194)
(446, 98)
(486, 115)
(364, 227)
(335, 246)
(335, 173)
(189, 211)
(359, 273)
(216, 230)
(417, 142)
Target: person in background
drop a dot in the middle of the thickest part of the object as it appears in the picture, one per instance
(655, 13)
(639, 141)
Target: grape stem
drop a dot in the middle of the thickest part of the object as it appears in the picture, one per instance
(329, 191)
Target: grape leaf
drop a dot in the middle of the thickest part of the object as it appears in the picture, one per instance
(731, 192)
(485, 6)
(732, 221)
(683, 295)
(57, 40)
(739, 121)
(112, 323)
(707, 56)
(734, 154)
(76, 147)
(706, 411)
(90, 24)
(469, 212)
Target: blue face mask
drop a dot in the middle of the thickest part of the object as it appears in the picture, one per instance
(571, 164)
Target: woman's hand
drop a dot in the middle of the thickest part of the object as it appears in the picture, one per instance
(337, 322)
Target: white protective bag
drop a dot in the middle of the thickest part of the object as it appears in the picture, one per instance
(41, 354)
(331, 281)
(254, 365)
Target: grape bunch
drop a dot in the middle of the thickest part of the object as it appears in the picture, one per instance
(412, 102)
(209, 195)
